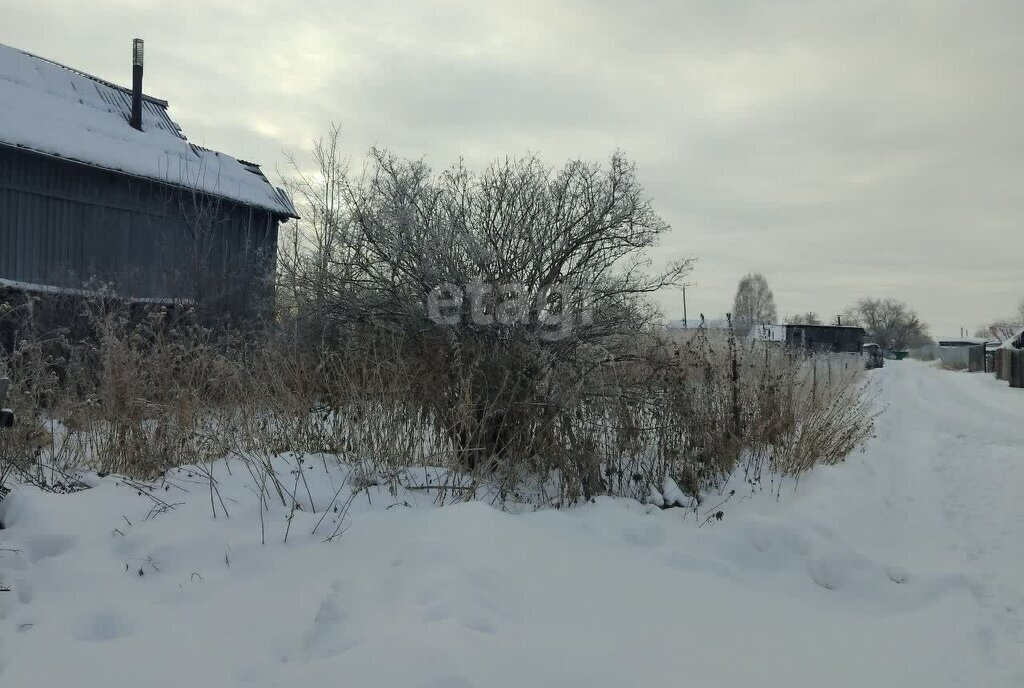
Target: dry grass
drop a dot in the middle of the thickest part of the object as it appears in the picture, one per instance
(137, 397)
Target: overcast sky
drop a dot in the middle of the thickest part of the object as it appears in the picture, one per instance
(842, 149)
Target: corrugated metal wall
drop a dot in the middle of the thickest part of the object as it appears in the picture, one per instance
(63, 224)
(973, 359)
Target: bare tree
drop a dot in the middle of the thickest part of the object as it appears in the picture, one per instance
(377, 246)
(520, 283)
(808, 318)
(999, 330)
(581, 231)
(312, 260)
(1003, 328)
(754, 303)
(890, 323)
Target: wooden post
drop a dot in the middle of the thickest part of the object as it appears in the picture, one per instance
(814, 379)
(685, 325)
(6, 415)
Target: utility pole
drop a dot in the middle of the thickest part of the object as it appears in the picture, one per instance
(685, 324)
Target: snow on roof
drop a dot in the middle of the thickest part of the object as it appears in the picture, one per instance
(56, 110)
(961, 340)
(70, 291)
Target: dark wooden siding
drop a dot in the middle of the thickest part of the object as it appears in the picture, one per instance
(825, 337)
(64, 224)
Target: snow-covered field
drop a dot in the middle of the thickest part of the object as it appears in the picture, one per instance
(902, 567)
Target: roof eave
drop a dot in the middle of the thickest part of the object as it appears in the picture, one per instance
(289, 211)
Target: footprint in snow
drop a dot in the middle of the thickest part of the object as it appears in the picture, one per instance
(648, 533)
(477, 599)
(15, 588)
(104, 626)
(480, 624)
(328, 635)
(23, 590)
(896, 574)
(41, 547)
(824, 573)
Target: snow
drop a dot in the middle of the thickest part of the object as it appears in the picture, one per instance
(670, 495)
(70, 291)
(51, 109)
(900, 567)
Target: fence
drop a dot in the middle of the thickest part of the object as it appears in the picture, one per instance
(1009, 366)
(976, 359)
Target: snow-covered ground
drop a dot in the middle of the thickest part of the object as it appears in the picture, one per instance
(902, 567)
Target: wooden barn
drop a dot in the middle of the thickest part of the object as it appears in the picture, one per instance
(836, 338)
(844, 338)
(99, 186)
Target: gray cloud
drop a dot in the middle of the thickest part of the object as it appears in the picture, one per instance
(844, 149)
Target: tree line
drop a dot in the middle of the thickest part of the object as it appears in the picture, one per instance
(1002, 329)
(889, 322)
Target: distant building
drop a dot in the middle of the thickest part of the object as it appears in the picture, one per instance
(954, 342)
(837, 338)
(97, 183)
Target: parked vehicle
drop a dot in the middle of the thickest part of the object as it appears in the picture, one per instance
(873, 357)
(6, 415)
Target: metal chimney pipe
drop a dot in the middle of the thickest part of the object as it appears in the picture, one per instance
(839, 320)
(137, 83)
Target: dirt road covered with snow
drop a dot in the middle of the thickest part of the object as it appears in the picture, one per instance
(949, 458)
(902, 567)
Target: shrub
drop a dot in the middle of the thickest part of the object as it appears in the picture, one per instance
(137, 397)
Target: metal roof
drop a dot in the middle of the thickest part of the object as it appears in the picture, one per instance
(826, 327)
(59, 111)
(961, 340)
